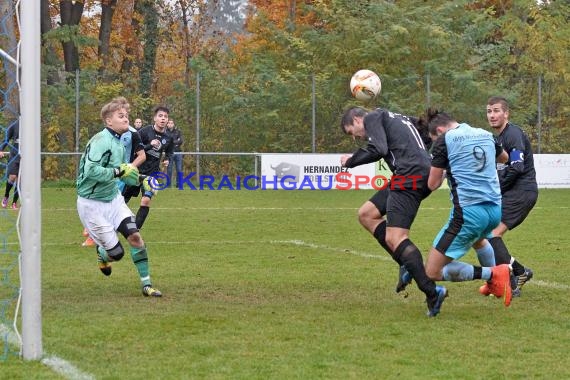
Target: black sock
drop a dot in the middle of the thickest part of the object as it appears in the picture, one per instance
(477, 272)
(518, 268)
(409, 255)
(502, 255)
(380, 235)
(16, 196)
(8, 188)
(141, 216)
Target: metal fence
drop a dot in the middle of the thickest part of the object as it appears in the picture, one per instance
(318, 135)
(216, 164)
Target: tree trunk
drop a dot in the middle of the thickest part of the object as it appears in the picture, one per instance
(70, 12)
(187, 54)
(150, 39)
(45, 17)
(8, 43)
(49, 56)
(131, 46)
(292, 11)
(107, 10)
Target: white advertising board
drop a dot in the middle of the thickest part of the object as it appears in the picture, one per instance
(321, 172)
(312, 172)
(552, 170)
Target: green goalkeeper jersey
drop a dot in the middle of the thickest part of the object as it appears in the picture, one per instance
(96, 178)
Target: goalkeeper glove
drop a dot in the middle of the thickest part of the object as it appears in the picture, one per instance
(128, 173)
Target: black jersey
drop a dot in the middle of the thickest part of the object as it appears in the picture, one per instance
(12, 139)
(153, 155)
(394, 138)
(518, 173)
(177, 140)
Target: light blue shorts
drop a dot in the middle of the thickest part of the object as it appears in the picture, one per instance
(466, 225)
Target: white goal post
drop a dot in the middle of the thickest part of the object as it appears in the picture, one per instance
(30, 179)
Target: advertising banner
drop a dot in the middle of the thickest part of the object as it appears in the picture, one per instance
(323, 172)
(312, 172)
(552, 170)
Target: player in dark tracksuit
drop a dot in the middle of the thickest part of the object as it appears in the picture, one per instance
(13, 141)
(389, 214)
(518, 185)
(155, 141)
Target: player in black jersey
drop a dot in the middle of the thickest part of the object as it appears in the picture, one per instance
(518, 185)
(155, 141)
(13, 141)
(389, 214)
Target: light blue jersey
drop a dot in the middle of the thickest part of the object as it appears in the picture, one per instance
(468, 154)
(127, 140)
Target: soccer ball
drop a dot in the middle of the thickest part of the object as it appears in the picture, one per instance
(365, 85)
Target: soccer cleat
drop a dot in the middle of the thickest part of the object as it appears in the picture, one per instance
(521, 280)
(104, 266)
(434, 306)
(88, 243)
(404, 279)
(484, 289)
(4, 202)
(14, 206)
(500, 283)
(149, 291)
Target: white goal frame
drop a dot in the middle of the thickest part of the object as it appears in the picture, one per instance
(30, 217)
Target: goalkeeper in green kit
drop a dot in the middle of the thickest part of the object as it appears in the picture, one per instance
(100, 205)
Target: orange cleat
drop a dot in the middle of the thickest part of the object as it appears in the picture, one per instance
(500, 283)
(484, 290)
(88, 243)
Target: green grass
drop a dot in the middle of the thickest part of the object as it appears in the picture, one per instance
(287, 285)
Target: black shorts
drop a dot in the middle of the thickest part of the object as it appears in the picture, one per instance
(516, 206)
(14, 166)
(131, 192)
(400, 206)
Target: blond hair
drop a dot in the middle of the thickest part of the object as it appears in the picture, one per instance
(113, 106)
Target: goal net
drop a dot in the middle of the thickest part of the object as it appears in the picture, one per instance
(20, 167)
(9, 241)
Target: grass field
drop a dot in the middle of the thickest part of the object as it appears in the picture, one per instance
(287, 285)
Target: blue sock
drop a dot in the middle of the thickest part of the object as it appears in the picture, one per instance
(486, 273)
(457, 271)
(486, 255)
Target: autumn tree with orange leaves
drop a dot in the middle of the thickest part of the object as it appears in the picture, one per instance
(283, 68)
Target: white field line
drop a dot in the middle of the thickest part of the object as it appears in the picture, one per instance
(66, 369)
(546, 284)
(69, 371)
(382, 256)
(258, 242)
(321, 247)
(58, 365)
